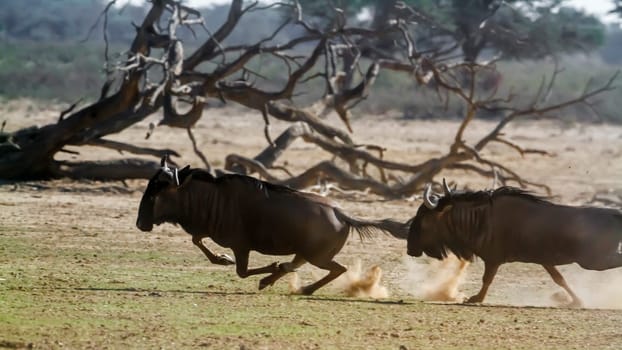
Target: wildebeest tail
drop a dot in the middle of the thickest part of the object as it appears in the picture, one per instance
(367, 228)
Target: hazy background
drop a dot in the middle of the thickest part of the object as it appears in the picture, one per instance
(47, 54)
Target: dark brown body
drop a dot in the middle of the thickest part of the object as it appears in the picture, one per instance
(509, 225)
(244, 214)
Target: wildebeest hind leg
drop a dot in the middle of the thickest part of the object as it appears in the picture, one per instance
(490, 270)
(559, 279)
(241, 265)
(335, 269)
(284, 269)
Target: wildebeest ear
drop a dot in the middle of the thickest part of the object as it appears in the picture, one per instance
(185, 182)
(182, 173)
(168, 175)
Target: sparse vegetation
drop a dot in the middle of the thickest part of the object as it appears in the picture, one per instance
(67, 72)
(63, 72)
(65, 69)
(76, 273)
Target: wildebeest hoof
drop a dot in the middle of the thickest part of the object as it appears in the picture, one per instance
(473, 299)
(575, 304)
(304, 291)
(265, 282)
(562, 299)
(225, 259)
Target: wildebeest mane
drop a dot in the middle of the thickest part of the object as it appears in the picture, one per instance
(517, 192)
(468, 222)
(486, 196)
(197, 174)
(263, 186)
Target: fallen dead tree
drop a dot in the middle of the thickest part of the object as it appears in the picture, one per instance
(158, 75)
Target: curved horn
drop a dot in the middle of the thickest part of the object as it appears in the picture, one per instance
(446, 188)
(167, 173)
(176, 176)
(429, 202)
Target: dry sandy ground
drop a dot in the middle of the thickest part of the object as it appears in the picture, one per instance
(587, 160)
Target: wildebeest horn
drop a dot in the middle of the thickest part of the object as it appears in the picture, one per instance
(171, 174)
(429, 202)
(446, 188)
(175, 171)
(163, 162)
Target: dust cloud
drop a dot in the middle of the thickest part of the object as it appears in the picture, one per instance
(436, 280)
(362, 284)
(294, 283)
(354, 283)
(597, 289)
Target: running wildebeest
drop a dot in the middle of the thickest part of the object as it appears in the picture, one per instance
(244, 214)
(511, 225)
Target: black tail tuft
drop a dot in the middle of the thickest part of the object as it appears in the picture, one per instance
(366, 229)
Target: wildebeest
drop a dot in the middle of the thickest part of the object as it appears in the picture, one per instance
(244, 214)
(511, 225)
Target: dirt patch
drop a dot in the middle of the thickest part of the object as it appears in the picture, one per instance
(74, 271)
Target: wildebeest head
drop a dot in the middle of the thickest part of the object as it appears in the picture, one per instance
(429, 225)
(162, 185)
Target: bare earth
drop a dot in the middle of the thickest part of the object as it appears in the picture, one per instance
(76, 273)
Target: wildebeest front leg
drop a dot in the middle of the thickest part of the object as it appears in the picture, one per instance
(223, 259)
(490, 270)
(335, 269)
(559, 279)
(241, 266)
